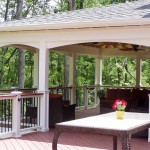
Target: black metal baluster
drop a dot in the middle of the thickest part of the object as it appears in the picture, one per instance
(8, 114)
(5, 114)
(11, 115)
(34, 118)
(2, 115)
(26, 105)
(23, 114)
(1, 108)
(38, 106)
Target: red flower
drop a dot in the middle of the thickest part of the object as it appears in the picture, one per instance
(119, 105)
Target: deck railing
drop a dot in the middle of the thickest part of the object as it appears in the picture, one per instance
(87, 96)
(19, 113)
(30, 110)
(65, 91)
(5, 114)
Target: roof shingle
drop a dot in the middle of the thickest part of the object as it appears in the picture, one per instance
(117, 12)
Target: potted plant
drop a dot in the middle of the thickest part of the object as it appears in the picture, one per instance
(119, 106)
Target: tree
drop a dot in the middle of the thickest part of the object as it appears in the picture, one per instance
(21, 51)
(72, 5)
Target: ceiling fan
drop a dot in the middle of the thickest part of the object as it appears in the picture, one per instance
(117, 45)
(134, 47)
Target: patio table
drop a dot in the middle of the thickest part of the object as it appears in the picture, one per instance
(107, 124)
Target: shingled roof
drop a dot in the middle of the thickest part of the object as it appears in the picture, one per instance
(129, 13)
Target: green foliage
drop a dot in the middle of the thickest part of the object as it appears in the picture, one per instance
(10, 65)
(29, 66)
(80, 4)
(56, 69)
(146, 72)
(85, 68)
(87, 3)
(119, 71)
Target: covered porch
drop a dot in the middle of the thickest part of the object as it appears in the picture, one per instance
(97, 38)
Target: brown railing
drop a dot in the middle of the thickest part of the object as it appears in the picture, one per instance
(25, 90)
(65, 91)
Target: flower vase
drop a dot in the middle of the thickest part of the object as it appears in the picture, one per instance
(120, 114)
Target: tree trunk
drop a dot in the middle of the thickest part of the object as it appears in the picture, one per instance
(6, 12)
(21, 68)
(81, 4)
(72, 5)
(19, 9)
(21, 52)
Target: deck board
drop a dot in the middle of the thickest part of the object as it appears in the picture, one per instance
(69, 140)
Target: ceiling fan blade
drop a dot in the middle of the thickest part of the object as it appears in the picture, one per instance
(126, 49)
(131, 49)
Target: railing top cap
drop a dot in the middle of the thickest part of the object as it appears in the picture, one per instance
(16, 92)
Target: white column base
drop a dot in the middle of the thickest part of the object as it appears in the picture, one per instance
(43, 129)
(149, 135)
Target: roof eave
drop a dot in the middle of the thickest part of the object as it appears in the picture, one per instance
(93, 24)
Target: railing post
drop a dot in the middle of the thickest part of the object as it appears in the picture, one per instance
(86, 97)
(16, 114)
(97, 100)
(44, 111)
(149, 114)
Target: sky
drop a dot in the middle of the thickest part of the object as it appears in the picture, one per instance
(53, 2)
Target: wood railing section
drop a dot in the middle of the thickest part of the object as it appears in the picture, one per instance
(15, 113)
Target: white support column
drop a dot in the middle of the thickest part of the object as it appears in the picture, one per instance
(72, 77)
(43, 86)
(86, 96)
(36, 70)
(98, 71)
(138, 71)
(16, 115)
(98, 77)
(149, 114)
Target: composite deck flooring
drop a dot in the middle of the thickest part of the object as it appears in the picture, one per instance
(69, 140)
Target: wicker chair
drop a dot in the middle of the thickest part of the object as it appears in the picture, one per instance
(59, 111)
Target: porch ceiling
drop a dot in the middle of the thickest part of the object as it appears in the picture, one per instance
(123, 14)
(105, 49)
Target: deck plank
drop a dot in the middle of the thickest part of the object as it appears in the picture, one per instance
(69, 140)
(23, 144)
(3, 145)
(9, 144)
(16, 144)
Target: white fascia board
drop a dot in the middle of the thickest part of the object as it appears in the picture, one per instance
(74, 25)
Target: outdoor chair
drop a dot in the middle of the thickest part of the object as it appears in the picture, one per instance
(31, 112)
(60, 110)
